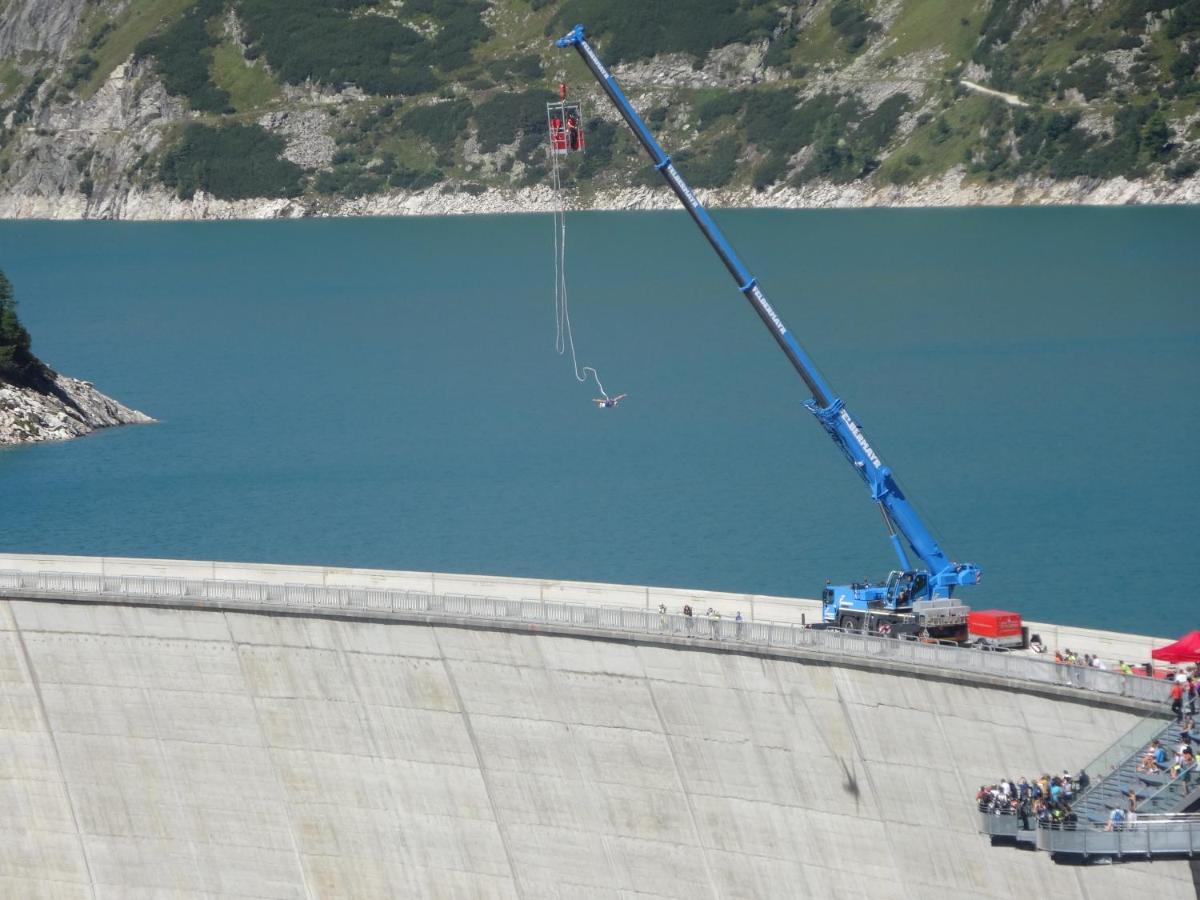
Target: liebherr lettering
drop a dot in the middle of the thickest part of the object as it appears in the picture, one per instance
(770, 311)
(587, 48)
(673, 176)
(862, 441)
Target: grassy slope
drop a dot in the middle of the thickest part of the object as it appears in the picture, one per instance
(927, 24)
(250, 87)
(138, 21)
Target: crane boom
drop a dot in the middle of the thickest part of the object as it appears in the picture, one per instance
(900, 518)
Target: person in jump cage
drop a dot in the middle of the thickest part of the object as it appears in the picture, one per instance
(572, 131)
(558, 138)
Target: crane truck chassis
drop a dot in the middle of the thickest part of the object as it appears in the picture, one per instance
(915, 599)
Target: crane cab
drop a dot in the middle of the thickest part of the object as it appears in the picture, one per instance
(564, 120)
(903, 604)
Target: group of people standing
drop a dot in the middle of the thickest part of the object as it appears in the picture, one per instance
(1046, 800)
(713, 616)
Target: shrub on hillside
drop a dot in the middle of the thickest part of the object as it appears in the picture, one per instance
(322, 41)
(601, 137)
(774, 122)
(439, 123)
(876, 130)
(850, 20)
(182, 55)
(232, 162)
(461, 28)
(720, 104)
(23, 108)
(501, 117)
(712, 168)
(636, 29)
(769, 171)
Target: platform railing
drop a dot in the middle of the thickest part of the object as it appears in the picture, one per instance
(620, 620)
(1148, 836)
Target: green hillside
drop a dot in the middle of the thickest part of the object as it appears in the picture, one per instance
(746, 93)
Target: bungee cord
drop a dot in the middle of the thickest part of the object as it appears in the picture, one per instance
(563, 336)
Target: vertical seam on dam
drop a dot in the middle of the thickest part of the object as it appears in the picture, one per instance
(162, 755)
(262, 733)
(687, 796)
(588, 784)
(364, 718)
(487, 788)
(37, 692)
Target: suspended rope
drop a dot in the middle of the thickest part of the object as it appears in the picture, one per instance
(566, 134)
(564, 338)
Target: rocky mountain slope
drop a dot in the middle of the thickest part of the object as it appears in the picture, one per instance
(61, 408)
(159, 109)
(37, 403)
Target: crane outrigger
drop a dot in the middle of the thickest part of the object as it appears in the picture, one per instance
(913, 598)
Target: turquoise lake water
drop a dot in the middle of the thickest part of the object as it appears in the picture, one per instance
(385, 393)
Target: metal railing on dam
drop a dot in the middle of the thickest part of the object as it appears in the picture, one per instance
(1149, 836)
(253, 596)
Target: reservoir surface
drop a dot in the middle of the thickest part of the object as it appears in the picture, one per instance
(386, 393)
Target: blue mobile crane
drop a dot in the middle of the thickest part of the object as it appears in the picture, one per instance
(913, 598)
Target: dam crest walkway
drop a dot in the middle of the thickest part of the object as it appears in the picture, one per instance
(580, 619)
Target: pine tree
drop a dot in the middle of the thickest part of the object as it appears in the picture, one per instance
(16, 360)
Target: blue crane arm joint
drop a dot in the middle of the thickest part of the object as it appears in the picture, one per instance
(828, 409)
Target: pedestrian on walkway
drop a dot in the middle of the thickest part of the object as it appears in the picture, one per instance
(738, 622)
(1116, 820)
(1177, 701)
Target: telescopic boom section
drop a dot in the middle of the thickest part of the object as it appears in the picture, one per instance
(830, 411)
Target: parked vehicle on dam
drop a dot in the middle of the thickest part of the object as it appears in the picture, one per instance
(918, 598)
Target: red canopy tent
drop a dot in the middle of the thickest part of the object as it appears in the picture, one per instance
(1184, 650)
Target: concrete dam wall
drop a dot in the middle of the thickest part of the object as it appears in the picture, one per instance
(188, 753)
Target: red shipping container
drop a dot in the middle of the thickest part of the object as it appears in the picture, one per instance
(994, 623)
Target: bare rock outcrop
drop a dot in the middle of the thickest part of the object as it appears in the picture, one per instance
(46, 26)
(307, 132)
(58, 408)
(80, 159)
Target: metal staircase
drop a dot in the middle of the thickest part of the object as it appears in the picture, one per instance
(1162, 827)
(1157, 793)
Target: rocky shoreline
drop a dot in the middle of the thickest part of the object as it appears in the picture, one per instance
(58, 409)
(951, 190)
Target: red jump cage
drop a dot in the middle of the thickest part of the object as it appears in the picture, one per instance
(565, 122)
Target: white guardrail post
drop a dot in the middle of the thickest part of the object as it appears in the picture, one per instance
(98, 588)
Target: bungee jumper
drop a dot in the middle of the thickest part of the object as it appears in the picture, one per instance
(565, 122)
(607, 402)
